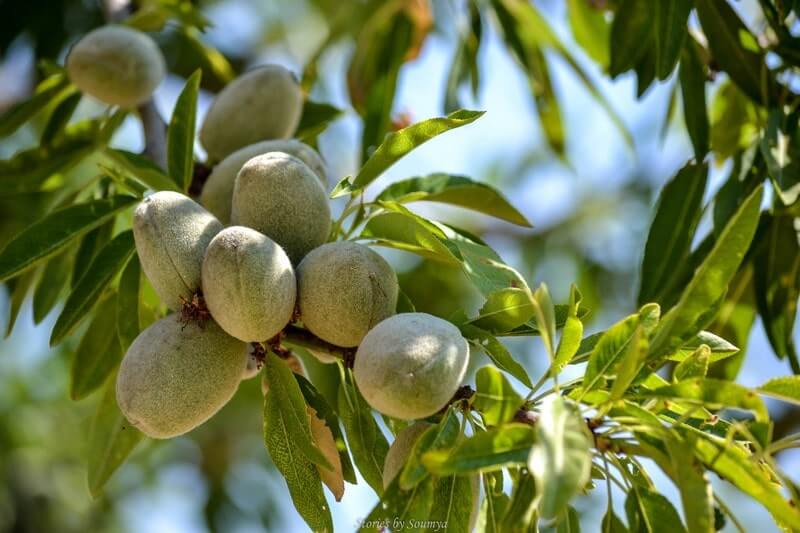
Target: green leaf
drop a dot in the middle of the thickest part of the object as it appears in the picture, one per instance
(670, 236)
(98, 353)
(521, 509)
(399, 143)
(497, 352)
(495, 398)
(141, 169)
(22, 112)
(398, 506)
(569, 521)
(180, 134)
(283, 426)
(632, 362)
(18, 289)
(51, 285)
(505, 310)
(735, 121)
(694, 366)
(285, 392)
(453, 503)
(571, 334)
(713, 393)
(612, 524)
(780, 148)
(696, 493)
(710, 280)
(692, 74)
(90, 246)
(108, 263)
(545, 319)
(560, 459)
(607, 352)
(48, 236)
(632, 26)
(60, 117)
(651, 512)
(127, 312)
(441, 436)
(590, 29)
(736, 50)
(494, 505)
(786, 389)
(325, 412)
(720, 348)
(111, 439)
(776, 280)
(731, 462)
(671, 17)
(315, 118)
(367, 443)
(408, 232)
(454, 190)
(490, 450)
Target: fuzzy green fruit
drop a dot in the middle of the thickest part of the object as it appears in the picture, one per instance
(248, 284)
(265, 103)
(172, 233)
(410, 365)
(218, 189)
(280, 196)
(175, 376)
(344, 289)
(400, 450)
(117, 65)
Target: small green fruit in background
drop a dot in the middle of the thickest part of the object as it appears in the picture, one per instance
(265, 103)
(400, 450)
(218, 190)
(280, 196)
(344, 289)
(172, 233)
(248, 284)
(410, 365)
(177, 375)
(117, 65)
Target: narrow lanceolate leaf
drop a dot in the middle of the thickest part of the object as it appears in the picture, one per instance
(571, 334)
(612, 524)
(20, 113)
(692, 74)
(561, 459)
(51, 285)
(711, 279)
(315, 118)
(98, 353)
(111, 439)
(280, 434)
(780, 147)
(608, 351)
(141, 169)
(410, 233)
(495, 398)
(785, 388)
(441, 436)
(632, 26)
(731, 462)
(569, 521)
(367, 442)
(490, 450)
(180, 134)
(454, 190)
(545, 319)
(719, 347)
(694, 366)
(651, 512)
(712, 393)
(591, 30)
(696, 494)
(285, 391)
(497, 352)
(51, 234)
(18, 288)
(632, 362)
(671, 17)
(60, 117)
(398, 506)
(521, 509)
(776, 279)
(736, 50)
(453, 503)
(398, 144)
(670, 236)
(505, 310)
(108, 263)
(127, 312)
